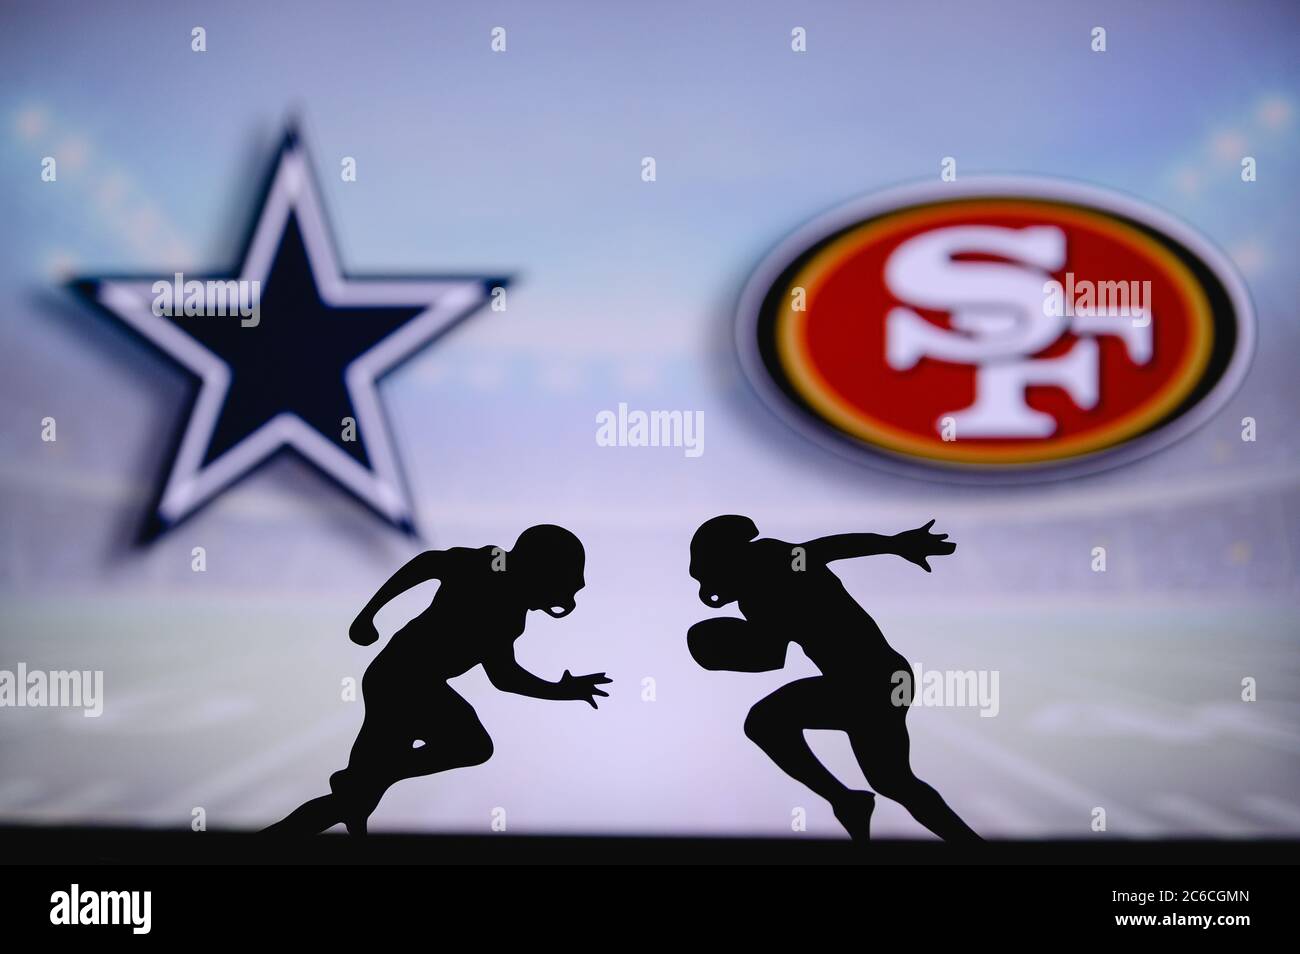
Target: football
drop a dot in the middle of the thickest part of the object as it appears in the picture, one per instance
(736, 645)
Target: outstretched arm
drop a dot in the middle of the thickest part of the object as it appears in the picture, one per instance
(915, 546)
(504, 672)
(429, 565)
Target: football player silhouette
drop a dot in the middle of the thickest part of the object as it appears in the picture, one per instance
(416, 724)
(787, 593)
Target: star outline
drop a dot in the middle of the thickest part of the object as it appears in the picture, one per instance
(189, 485)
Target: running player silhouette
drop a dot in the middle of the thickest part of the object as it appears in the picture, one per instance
(415, 723)
(787, 594)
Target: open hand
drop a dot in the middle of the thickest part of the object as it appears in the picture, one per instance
(915, 546)
(583, 688)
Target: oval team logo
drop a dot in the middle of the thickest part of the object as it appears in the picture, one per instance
(1004, 326)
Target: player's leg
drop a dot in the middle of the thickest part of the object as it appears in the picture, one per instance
(394, 743)
(882, 748)
(418, 734)
(310, 817)
(448, 735)
(372, 767)
(776, 725)
(355, 790)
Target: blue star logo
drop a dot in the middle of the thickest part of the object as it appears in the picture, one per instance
(289, 379)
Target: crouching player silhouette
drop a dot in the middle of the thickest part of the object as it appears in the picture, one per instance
(416, 724)
(787, 593)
